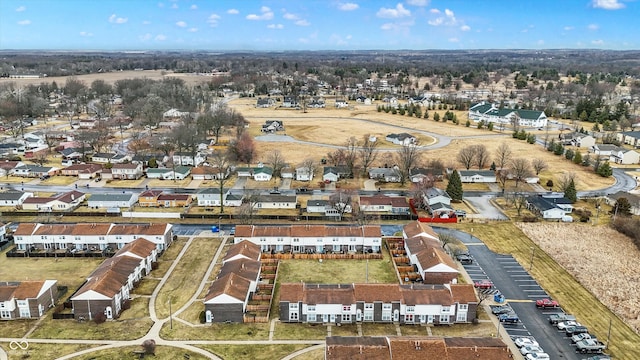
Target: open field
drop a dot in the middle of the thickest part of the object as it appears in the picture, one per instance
(71, 272)
(285, 331)
(253, 352)
(44, 351)
(507, 238)
(185, 278)
(162, 353)
(337, 271)
(128, 329)
(111, 77)
(317, 354)
(215, 332)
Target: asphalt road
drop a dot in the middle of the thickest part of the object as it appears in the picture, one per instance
(520, 290)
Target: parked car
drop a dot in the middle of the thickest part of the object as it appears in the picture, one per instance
(556, 318)
(564, 324)
(547, 303)
(525, 341)
(483, 284)
(582, 336)
(590, 346)
(511, 318)
(502, 309)
(537, 356)
(572, 330)
(530, 349)
(460, 213)
(464, 259)
(45, 177)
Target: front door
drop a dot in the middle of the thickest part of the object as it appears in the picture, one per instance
(108, 312)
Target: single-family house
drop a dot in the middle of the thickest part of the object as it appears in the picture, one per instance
(188, 159)
(83, 171)
(177, 173)
(60, 202)
(401, 139)
(286, 173)
(341, 103)
(304, 173)
(149, 198)
(128, 171)
(630, 138)
(334, 173)
(604, 150)
(583, 140)
(415, 347)
(27, 299)
(477, 176)
(418, 175)
(385, 174)
(113, 200)
(7, 166)
(441, 210)
(271, 126)
(433, 195)
(290, 102)
(205, 172)
(174, 200)
(265, 102)
(634, 200)
(211, 197)
(546, 208)
(71, 153)
(103, 158)
(174, 114)
(14, 198)
(264, 173)
(276, 201)
(319, 206)
(157, 173)
(33, 171)
(384, 204)
(625, 157)
(144, 159)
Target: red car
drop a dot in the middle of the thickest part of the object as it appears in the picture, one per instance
(483, 284)
(547, 303)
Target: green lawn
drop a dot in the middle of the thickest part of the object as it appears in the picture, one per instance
(215, 332)
(286, 331)
(253, 352)
(341, 271)
(162, 353)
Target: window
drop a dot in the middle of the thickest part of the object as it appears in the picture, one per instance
(101, 238)
(461, 316)
(336, 247)
(463, 307)
(346, 317)
(411, 309)
(293, 306)
(409, 318)
(311, 308)
(445, 309)
(21, 303)
(293, 315)
(311, 317)
(4, 314)
(444, 319)
(386, 312)
(346, 308)
(368, 312)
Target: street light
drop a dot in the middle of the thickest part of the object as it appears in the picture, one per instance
(170, 316)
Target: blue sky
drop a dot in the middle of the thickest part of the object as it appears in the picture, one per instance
(217, 25)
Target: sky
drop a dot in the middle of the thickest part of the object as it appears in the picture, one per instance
(277, 25)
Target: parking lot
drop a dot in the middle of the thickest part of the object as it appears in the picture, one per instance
(520, 290)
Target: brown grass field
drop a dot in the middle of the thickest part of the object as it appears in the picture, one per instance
(254, 352)
(583, 302)
(44, 351)
(111, 77)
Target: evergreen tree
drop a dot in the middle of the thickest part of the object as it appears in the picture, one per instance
(436, 117)
(577, 158)
(605, 170)
(468, 123)
(490, 126)
(454, 188)
(622, 207)
(570, 192)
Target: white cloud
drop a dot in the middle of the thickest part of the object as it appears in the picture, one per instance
(181, 24)
(117, 20)
(418, 2)
(608, 4)
(393, 13)
(449, 19)
(265, 14)
(448, 13)
(24, 22)
(454, 40)
(160, 37)
(434, 11)
(86, 34)
(387, 26)
(302, 23)
(465, 27)
(145, 37)
(275, 26)
(290, 16)
(593, 27)
(21, 8)
(233, 11)
(193, 7)
(597, 42)
(193, 29)
(174, 6)
(213, 20)
(540, 42)
(568, 28)
(348, 6)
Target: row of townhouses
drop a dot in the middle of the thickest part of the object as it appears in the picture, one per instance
(89, 236)
(27, 299)
(492, 113)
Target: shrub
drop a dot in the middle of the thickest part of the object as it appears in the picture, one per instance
(628, 226)
(99, 317)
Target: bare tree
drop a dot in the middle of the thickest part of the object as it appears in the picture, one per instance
(565, 180)
(503, 155)
(309, 165)
(407, 158)
(40, 158)
(337, 157)
(243, 149)
(520, 170)
(519, 201)
(538, 165)
(277, 162)
(351, 154)
(368, 152)
(502, 176)
(248, 208)
(481, 158)
(419, 189)
(466, 156)
(220, 161)
(342, 201)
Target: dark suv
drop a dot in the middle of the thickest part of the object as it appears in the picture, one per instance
(578, 329)
(464, 259)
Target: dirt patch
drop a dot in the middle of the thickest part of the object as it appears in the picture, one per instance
(607, 272)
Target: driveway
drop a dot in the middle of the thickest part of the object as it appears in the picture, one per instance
(485, 209)
(240, 183)
(285, 184)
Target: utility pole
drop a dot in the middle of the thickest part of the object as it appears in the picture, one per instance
(170, 316)
(608, 335)
(531, 261)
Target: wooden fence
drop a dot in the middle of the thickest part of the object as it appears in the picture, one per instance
(256, 319)
(323, 256)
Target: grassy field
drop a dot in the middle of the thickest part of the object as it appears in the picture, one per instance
(506, 238)
(162, 353)
(285, 331)
(253, 352)
(215, 332)
(127, 329)
(344, 271)
(317, 354)
(44, 351)
(185, 278)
